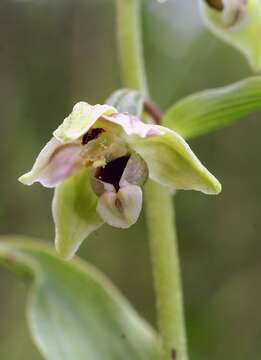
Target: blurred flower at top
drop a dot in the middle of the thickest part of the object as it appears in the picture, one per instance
(237, 22)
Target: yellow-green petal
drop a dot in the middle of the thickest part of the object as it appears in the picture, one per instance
(82, 118)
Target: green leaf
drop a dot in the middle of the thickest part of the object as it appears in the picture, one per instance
(73, 311)
(172, 163)
(74, 213)
(125, 100)
(210, 110)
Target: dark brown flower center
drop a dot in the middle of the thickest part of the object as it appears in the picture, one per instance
(216, 4)
(91, 135)
(112, 172)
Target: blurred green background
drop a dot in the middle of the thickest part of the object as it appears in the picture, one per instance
(54, 53)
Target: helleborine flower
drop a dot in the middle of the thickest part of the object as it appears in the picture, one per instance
(237, 22)
(98, 161)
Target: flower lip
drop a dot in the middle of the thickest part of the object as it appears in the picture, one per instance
(91, 135)
(113, 170)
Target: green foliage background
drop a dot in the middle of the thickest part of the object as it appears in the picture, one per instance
(54, 53)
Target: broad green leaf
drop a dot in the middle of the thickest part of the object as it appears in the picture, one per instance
(74, 313)
(172, 163)
(74, 212)
(125, 100)
(210, 110)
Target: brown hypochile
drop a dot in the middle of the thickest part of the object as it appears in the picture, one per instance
(91, 135)
(216, 4)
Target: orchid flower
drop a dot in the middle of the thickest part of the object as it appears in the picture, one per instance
(98, 161)
(238, 23)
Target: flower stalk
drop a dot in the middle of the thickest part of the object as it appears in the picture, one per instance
(159, 206)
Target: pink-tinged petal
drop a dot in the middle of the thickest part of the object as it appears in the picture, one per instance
(41, 162)
(62, 165)
(54, 164)
(132, 125)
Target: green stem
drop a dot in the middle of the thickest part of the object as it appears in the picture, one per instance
(159, 206)
(166, 269)
(130, 44)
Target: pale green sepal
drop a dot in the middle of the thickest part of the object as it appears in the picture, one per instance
(74, 213)
(82, 118)
(171, 162)
(244, 34)
(121, 209)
